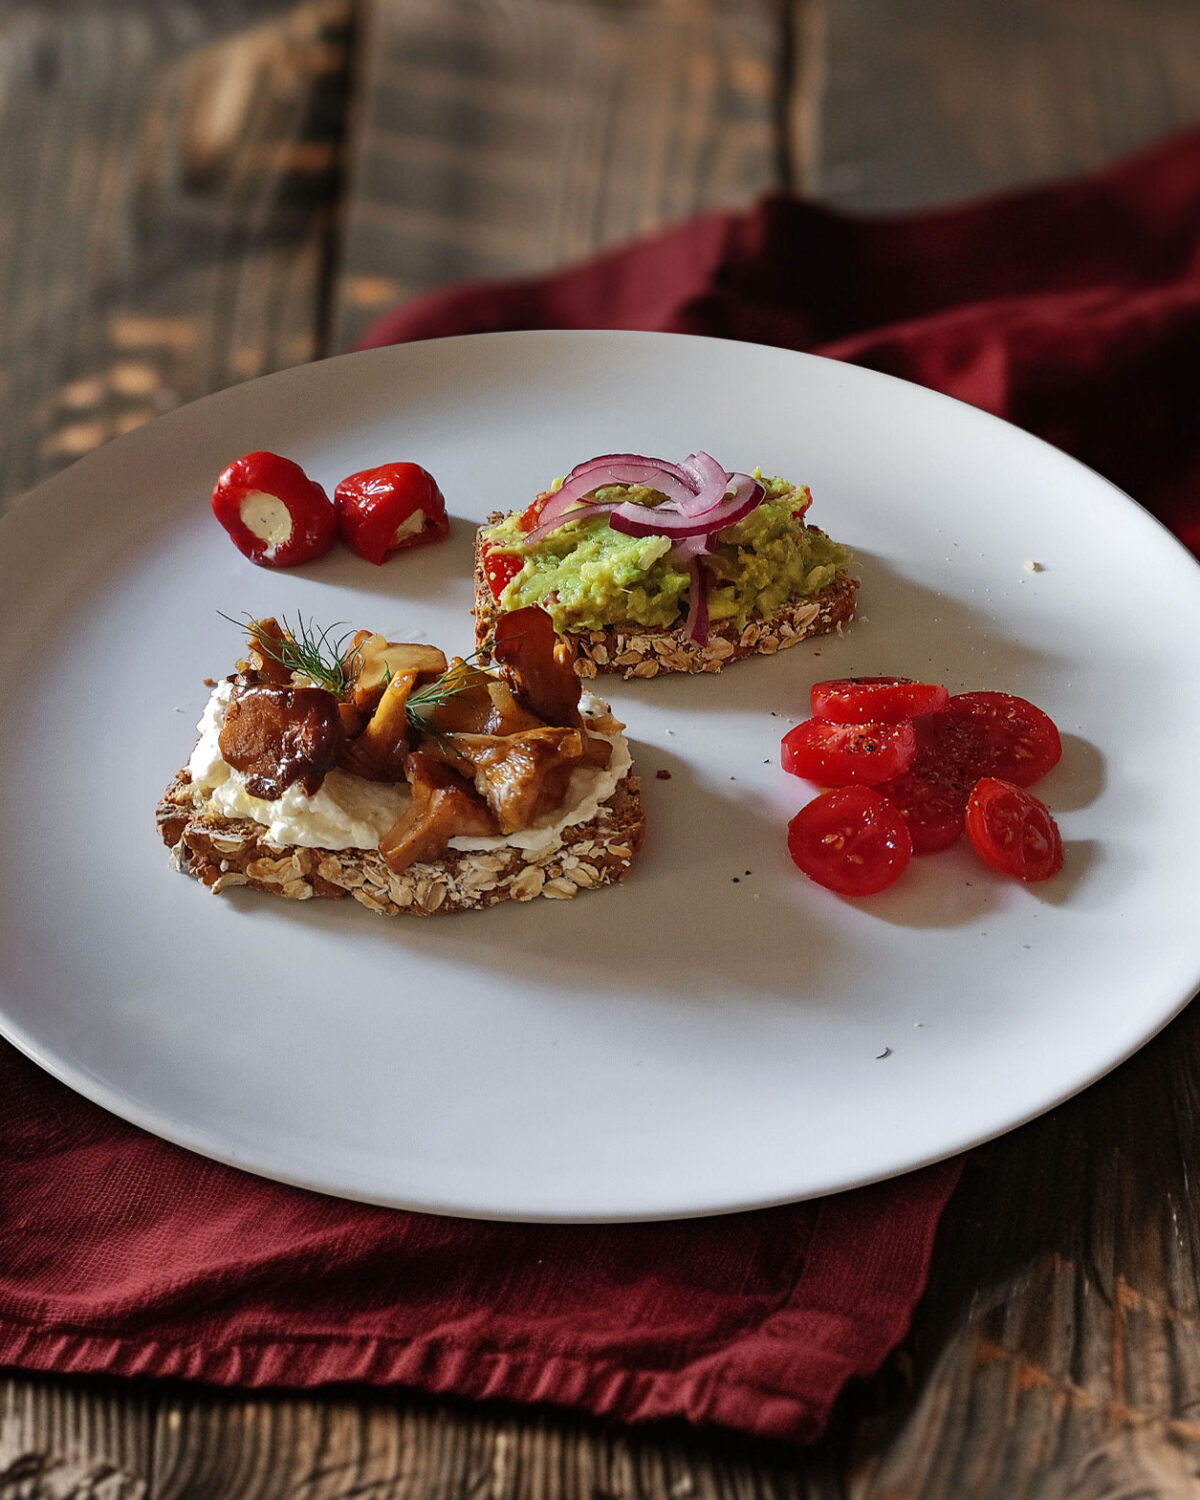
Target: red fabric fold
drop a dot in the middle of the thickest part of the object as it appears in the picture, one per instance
(123, 1254)
(1072, 310)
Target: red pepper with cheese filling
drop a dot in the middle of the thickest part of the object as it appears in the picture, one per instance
(275, 514)
(391, 507)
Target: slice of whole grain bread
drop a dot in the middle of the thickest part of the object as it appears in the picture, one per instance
(643, 651)
(223, 853)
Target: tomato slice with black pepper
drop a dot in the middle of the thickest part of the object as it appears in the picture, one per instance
(880, 700)
(848, 754)
(935, 811)
(1012, 831)
(986, 734)
(850, 840)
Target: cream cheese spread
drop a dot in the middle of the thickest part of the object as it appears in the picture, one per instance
(349, 812)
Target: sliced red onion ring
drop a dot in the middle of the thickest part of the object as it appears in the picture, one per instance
(585, 512)
(700, 499)
(687, 554)
(675, 471)
(616, 468)
(710, 479)
(696, 628)
(662, 520)
(739, 488)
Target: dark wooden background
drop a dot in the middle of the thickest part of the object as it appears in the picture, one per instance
(194, 192)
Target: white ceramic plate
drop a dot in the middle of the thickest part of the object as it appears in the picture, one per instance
(718, 1033)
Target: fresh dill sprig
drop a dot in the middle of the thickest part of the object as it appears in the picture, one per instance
(316, 654)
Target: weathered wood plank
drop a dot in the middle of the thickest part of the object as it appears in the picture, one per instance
(1058, 1351)
(412, 1448)
(82, 1440)
(930, 101)
(167, 186)
(166, 199)
(500, 137)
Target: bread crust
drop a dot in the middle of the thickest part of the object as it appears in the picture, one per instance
(643, 651)
(223, 853)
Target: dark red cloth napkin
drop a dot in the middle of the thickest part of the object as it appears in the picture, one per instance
(1074, 311)
(123, 1254)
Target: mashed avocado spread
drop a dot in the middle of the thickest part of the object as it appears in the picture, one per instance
(588, 576)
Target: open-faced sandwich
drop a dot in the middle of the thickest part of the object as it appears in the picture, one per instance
(416, 785)
(651, 567)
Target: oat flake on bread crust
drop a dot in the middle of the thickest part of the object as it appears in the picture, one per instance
(222, 853)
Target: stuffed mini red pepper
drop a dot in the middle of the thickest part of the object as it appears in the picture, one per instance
(393, 506)
(274, 512)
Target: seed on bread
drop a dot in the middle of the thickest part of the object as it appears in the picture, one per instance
(587, 856)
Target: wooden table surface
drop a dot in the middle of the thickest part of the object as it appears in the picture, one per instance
(193, 192)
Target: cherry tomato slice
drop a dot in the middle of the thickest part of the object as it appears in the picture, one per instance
(274, 513)
(879, 700)
(851, 841)
(848, 754)
(500, 568)
(934, 811)
(986, 734)
(391, 507)
(1012, 831)
(532, 513)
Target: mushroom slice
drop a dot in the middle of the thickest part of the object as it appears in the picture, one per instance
(539, 664)
(522, 776)
(444, 805)
(507, 715)
(375, 661)
(604, 722)
(596, 752)
(379, 752)
(265, 647)
(277, 735)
